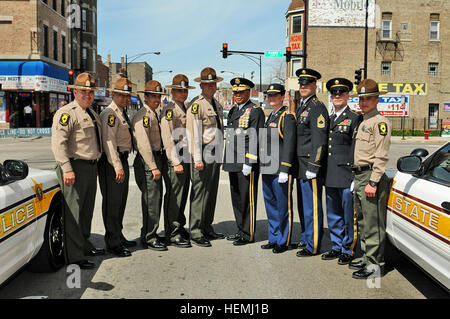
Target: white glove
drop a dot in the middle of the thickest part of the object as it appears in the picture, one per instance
(310, 175)
(246, 170)
(352, 186)
(283, 177)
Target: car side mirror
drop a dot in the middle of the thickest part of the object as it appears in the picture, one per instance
(421, 152)
(409, 164)
(15, 170)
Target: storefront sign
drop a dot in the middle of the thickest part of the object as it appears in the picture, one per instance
(296, 43)
(388, 105)
(26, 132)
(2, 107)
(404, 88)
(446, 107)
(36, 83)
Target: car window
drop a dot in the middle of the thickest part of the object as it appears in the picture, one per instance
(439, 168)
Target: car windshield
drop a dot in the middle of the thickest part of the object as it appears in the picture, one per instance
(439, 168)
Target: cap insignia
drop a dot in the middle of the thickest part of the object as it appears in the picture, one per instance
(88, 83)
(363, 90)
(237, 81)
(210, 77)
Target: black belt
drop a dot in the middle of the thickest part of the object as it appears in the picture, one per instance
(92, 162)
(361, 168)
(123, 156)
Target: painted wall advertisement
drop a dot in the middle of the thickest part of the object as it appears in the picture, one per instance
(389, 105)
(296, 43)
(446, 107)
(2, 107)
(446, 127)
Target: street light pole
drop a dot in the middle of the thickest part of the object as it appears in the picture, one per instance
(136, 57)
(366, 39)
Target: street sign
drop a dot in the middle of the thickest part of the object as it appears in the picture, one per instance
(274, 53)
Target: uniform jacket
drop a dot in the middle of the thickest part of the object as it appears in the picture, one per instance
(116, 135)
(147, 135)
(242, 136)
(312, 136)
(372, 143)
(173, 117)
(340, 156)
(74, 135)
(201, 126)
(279, 128)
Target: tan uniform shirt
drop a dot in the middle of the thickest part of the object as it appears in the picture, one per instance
(115, 134)
(147, 135)
(174, 119)
(201, 116)
(372, 143)
(74, 135)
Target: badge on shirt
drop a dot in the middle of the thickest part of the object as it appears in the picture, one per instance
(64, 120)
(169, 115)
(146, 122)
(111, 120)
(194, 109)
(321, 121)
(382, 127)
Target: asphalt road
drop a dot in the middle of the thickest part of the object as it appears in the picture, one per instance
(220, 272)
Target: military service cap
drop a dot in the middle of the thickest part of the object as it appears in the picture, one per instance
(306, 76)
(339, 85)
(241, 84)
(275, 89)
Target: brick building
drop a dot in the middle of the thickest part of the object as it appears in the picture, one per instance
(408, 52)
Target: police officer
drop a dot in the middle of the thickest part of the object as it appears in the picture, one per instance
(277, 154)
(173, 130)
(312, 138)
(371, 184)
(149, 164)
(204, 124)
(241, 159)
(113, 169)
(76, 145)
(340, 213)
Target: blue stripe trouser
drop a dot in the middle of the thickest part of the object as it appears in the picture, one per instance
(340, 217)
(278, 202)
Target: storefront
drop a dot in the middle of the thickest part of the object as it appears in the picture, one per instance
(31, 84)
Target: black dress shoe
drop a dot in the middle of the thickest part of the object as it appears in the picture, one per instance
(233, 237)
(128, 243)
(157, 245)
(268, 246)
(241, 241)
(279, 249)
(95, 252)
(120, 251)
(356, 265)
(345, 259)
(86, 264)
(363, 273)
(304, 253)
(180, 242)
(332, 254)
(202, 242)
(213, 235)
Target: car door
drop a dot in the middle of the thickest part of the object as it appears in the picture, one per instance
(419, 223)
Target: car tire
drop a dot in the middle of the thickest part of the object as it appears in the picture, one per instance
(51, 255)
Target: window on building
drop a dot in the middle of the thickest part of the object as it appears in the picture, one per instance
(63, 49)
(434, 26)
(46, 41)
(386, 68)
(54, 4)
(386, 25)
(297, 24)
(55, 45)
(433, 68)
(84, 20)
(296, 64)
(84, 57)
(63, 8)
(404, 26)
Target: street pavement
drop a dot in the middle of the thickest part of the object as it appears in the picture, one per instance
(219, 272)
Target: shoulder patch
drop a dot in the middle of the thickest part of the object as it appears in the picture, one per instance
(169, 115)
(64, 120)
(383, 128)
(321, 121)
(194, 109)
(146, 121)
(111, 120)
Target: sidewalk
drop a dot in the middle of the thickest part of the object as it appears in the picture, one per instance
(420, 139)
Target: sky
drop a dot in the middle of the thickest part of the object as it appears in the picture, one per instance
(189, 35)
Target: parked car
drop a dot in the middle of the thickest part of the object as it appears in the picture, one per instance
(418, 218)
(30, 220)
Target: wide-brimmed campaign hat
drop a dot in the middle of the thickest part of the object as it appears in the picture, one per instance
(241, 84)
(368, 87)
(180, 81)
(123, 86)
(306, 76)
(339, 85)
(208, 75)
(84, 81)
(275, 88)
(154, 87)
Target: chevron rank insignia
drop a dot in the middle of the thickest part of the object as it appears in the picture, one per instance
(321, 121)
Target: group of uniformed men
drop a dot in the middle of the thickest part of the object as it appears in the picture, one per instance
(181, 145)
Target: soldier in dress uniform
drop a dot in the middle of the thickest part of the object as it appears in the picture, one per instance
(372, 143)
(76, 145)
(277, 154)
(113, 169)
(312, 138)
(149, 164)
(241, 159)
(204, 124)
(173, 129)
(340, 213)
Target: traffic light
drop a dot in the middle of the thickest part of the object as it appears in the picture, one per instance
(288, 54)
(224, 50)
(70, 72)
(358, 76)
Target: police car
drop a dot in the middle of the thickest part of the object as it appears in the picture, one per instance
(418, 218)
(30, 220)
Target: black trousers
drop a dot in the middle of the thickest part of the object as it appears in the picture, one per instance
(244, 194)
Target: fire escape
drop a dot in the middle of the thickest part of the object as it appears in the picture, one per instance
(390, 49)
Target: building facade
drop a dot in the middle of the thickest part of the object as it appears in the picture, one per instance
(407, 52)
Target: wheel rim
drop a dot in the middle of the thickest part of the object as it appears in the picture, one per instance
(56, 235)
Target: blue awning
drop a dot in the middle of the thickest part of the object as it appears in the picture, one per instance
(32, 68)
(134, 99)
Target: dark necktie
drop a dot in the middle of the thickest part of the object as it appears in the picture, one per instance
(97, 134)
(159, 129)
(219, 126)
(333, 118)
(125, 115)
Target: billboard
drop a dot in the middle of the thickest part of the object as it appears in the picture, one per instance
(296, 43)
(389, 105)
(340, 13)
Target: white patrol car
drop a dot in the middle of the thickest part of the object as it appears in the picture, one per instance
(30, 220)
(418, 217)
